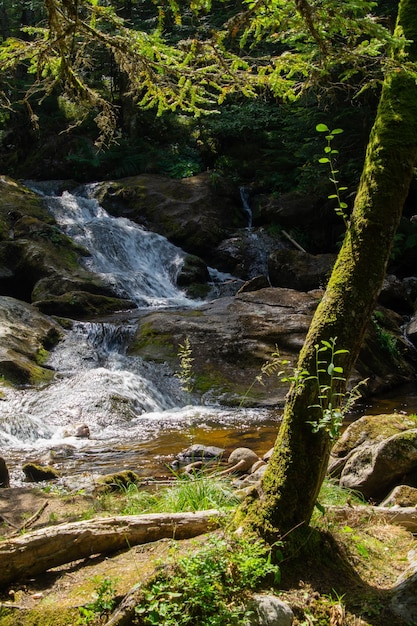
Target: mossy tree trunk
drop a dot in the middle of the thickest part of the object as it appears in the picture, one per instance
(298, 466)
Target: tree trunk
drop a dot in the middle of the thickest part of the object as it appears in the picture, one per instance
(297, 468)
(42, 549)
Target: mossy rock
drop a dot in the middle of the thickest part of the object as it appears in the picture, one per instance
(19, 370)
(371, 429)
(82, 304)
(118, 481)
(35, 473)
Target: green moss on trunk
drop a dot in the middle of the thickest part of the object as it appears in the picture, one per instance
(298, 465)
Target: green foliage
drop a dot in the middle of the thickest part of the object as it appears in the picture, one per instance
(187, 493)
(386, 339)
(208, 587)
(185, 373)
(332, 399)
(332, 493)
(329, 159)
(103, 603)
(95, 56)
(333, 402)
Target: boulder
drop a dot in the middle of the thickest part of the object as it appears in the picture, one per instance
(298, 270)
(370, 429)
(198, 452)
(375, 469)
(394, 295)
(255, 284)
(26, 335)
(194, 213)
(245, 456)
(35, 473)
(403, 496)
(231, 338)
(245, 253)
(268, 610)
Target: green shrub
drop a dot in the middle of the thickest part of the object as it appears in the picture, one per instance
(208, 587)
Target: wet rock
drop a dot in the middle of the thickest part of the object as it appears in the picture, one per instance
(198, 452)
(256, 283)
(394, 295)
(193, 213)
(64, 451)
(83, 304)
(270, 611)
(245, 254)
(26, 336)
(193, 270)
(4, 474)
(82, 431)
(35, 473)
(245, 456)
(232, 337)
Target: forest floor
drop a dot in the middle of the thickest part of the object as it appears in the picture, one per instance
(345, 578)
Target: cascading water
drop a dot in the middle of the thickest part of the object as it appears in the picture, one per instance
(244, 195)
(131, 407)
(137, 264)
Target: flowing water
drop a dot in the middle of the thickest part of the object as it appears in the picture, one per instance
(137, 414)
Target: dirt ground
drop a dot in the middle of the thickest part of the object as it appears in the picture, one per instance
(353, 577)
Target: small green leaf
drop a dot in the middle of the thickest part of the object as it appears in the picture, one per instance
(337, 131)
(324, 160)
(322, 128)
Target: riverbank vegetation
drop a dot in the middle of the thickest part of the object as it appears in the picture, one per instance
(342, 573)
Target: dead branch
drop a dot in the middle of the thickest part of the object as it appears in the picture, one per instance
(401, 516)
(43, 549)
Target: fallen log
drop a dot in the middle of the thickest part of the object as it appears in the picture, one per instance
(43, 549)
(401, 516)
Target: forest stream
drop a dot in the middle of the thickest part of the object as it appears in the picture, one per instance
(138, 416)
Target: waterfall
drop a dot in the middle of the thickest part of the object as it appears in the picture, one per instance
(139, 265)
(133, 408)
(244, 195)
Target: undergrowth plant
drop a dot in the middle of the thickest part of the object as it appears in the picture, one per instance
(329, 159)
(331, 397)
(333, 401)
(185, 373)
(209, 587)
(187, 493)
(102, 605)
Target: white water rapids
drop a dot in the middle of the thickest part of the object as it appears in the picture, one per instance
(136, 411)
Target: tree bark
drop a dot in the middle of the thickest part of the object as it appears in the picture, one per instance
(49, 547)
(299, 462)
